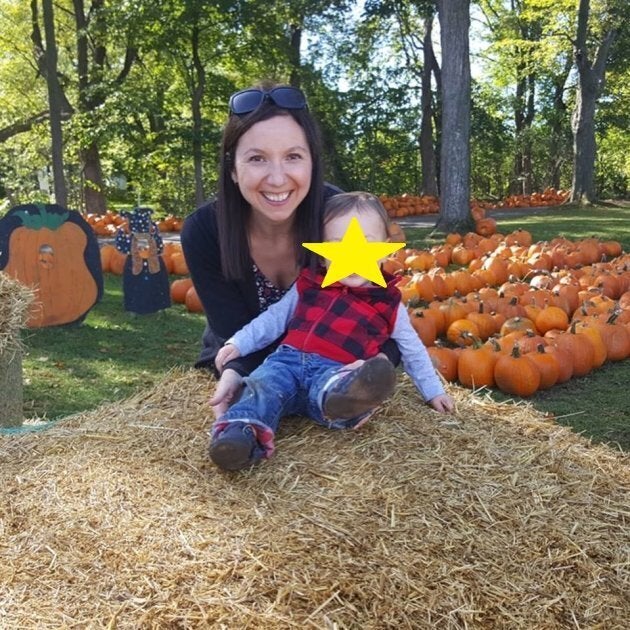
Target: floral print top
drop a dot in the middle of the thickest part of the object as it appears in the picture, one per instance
(268, 293)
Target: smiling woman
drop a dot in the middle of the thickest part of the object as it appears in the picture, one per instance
(244, 248)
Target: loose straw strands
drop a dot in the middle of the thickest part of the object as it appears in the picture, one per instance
(494, 517)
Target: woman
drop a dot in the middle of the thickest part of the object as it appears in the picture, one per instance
(244, 249)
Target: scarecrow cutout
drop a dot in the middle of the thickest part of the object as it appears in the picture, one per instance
(145, 278)
(54, 251)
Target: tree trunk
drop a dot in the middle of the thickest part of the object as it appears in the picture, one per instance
(455, 159)
(55, 103)
(427, 149)
(198, 88)
(294, 55)
(557, 125)
(527, 172)
(94, 197)
(11, 412)
(590, 86)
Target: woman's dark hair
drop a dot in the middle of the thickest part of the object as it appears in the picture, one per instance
(232, 208)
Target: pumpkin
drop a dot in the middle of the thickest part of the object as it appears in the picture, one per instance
(616, 338)
(516, 374)
(599, 347)
(420, 260)
(551, 317)
(486, 226)
(192, 301)
(444, 361)
(180, 267)
(462, 332)
(395, 233)
(453, 310)
(423, 325)
(392, 266)
(547, 365)
(565, 364)
(54, 251)
(475, 367)
(530, 341)
(179, 288)
(423, 286)
(514, 324)
(485, 322)
(577, 346)
(519, 237)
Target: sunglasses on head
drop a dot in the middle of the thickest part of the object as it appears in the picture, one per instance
(247, 101)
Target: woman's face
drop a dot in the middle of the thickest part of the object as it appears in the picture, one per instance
(273, 167)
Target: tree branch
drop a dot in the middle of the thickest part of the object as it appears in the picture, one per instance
(26, 125)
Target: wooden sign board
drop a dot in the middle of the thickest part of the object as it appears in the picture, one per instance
(54, 251)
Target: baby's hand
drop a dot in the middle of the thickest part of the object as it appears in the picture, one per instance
(442, 403)
(226, 354)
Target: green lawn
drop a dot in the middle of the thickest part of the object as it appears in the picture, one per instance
(114, 354)
(111, 355)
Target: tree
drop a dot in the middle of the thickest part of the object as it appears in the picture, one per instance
(47, 61)
(591, 76)
(430, 68)
(94, 87)
(455, 154)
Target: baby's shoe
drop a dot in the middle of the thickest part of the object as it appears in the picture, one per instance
(360, 390)
(234, 447)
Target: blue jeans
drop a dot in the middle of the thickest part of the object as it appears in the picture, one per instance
(289, 382)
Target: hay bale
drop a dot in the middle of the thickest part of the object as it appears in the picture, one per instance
(494, 517)
(15, 300)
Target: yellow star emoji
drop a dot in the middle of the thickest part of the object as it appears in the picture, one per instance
(354, 254)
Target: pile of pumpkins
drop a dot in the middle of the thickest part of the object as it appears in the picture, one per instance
(548, 197)
(413, 205)
(107, 224)
(517, 315)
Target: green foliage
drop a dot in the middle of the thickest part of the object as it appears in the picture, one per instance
(360, 64)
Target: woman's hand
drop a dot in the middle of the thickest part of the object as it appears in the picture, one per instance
(442, 403)
(226, 354)
(227, 391)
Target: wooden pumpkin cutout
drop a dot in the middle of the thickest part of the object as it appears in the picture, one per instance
(54, 251)
(145, 278)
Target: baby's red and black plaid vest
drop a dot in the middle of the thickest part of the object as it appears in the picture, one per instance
(339, 322)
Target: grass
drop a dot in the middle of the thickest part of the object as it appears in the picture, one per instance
(113, 354)
(605, 221)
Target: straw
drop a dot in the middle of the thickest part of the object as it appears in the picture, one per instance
(493, 517)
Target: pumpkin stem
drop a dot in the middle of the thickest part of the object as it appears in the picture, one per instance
(43, 219)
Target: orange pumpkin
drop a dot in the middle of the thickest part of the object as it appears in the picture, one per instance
(547, 365)
(444, 361)
(516, 374)
(423, 325)
(192, 301)
(486, 226)
(179, 288)
(475, 367)
(54, 251)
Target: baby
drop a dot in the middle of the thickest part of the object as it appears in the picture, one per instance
(328, 366)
